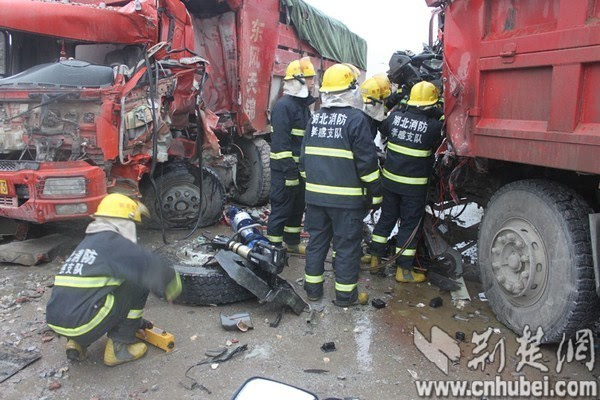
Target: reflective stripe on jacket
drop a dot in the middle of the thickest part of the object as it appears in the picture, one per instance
(82, 293)
(289, 118)
(412, 136)
(339, 159)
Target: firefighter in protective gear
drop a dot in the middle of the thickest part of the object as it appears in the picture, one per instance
(289, 118)
(373, 97)
(103, 286)
(339, 162)
(412, 135)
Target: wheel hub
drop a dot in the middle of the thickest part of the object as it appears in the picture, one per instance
(181, 203)
(519, 261)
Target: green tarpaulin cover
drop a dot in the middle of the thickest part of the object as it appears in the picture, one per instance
(331, 38)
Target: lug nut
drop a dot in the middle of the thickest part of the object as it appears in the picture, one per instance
(510, 237)
(509, 287)
(518, 287)
(502, 239)
(525, 274)
(524, 258)
(495, 265)
(501, 279)
(519, 244)
(496, 250)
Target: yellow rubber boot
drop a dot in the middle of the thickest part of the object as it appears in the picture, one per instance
(409, 276)
(119, 353)
(296, 248)
(366, 259)
(75, 352)
(375, 265)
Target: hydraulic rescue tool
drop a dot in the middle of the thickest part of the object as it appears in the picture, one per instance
(156, 336)
(254, 263)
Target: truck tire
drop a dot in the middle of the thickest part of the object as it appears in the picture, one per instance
(178, 187)
(535, 259)
(202, 286)
(254, 172)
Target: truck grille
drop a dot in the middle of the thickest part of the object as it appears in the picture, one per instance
(11, 165)
(6, 201)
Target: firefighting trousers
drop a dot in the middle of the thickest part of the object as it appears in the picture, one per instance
(409, 210)
(124, 318)
(345, 226)
(287, 208)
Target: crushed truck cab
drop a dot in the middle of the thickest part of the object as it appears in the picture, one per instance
(167, 101)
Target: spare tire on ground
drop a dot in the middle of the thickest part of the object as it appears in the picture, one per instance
(207, 285)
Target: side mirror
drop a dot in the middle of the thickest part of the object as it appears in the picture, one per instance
(266, 389)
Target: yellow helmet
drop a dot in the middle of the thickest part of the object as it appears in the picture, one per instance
(370, 90)
(384, 84)
(293, 70)
(307, 67)
(423, 94)
(355, 70)
(337, 78)
(116, 205)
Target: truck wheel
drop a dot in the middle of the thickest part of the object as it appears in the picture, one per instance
(204, 286)
(535, 259)
(178, 187)
(253, 179)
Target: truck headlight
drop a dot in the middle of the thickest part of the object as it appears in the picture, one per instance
(64, 186)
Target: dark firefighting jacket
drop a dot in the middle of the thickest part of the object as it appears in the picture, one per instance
(289, 118)
(82, 293)
(339, 160)
(412, 137)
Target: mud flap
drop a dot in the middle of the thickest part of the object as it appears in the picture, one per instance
(595, 238)
(241, 271)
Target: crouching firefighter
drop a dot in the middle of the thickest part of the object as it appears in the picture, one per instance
(339, 162)
(289, 118)
(413, 135)
(103, 286)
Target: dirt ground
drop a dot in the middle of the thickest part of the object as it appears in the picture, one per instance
(375, 356)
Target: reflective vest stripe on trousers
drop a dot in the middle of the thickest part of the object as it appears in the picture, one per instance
(135, 314)
(406, 252)
(340, 287)
(379, 239)
(94, 322)
(313, 278)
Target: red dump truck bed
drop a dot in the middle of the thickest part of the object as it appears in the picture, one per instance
(523, 81)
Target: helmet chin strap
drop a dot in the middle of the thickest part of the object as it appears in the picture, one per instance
(300, 79)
